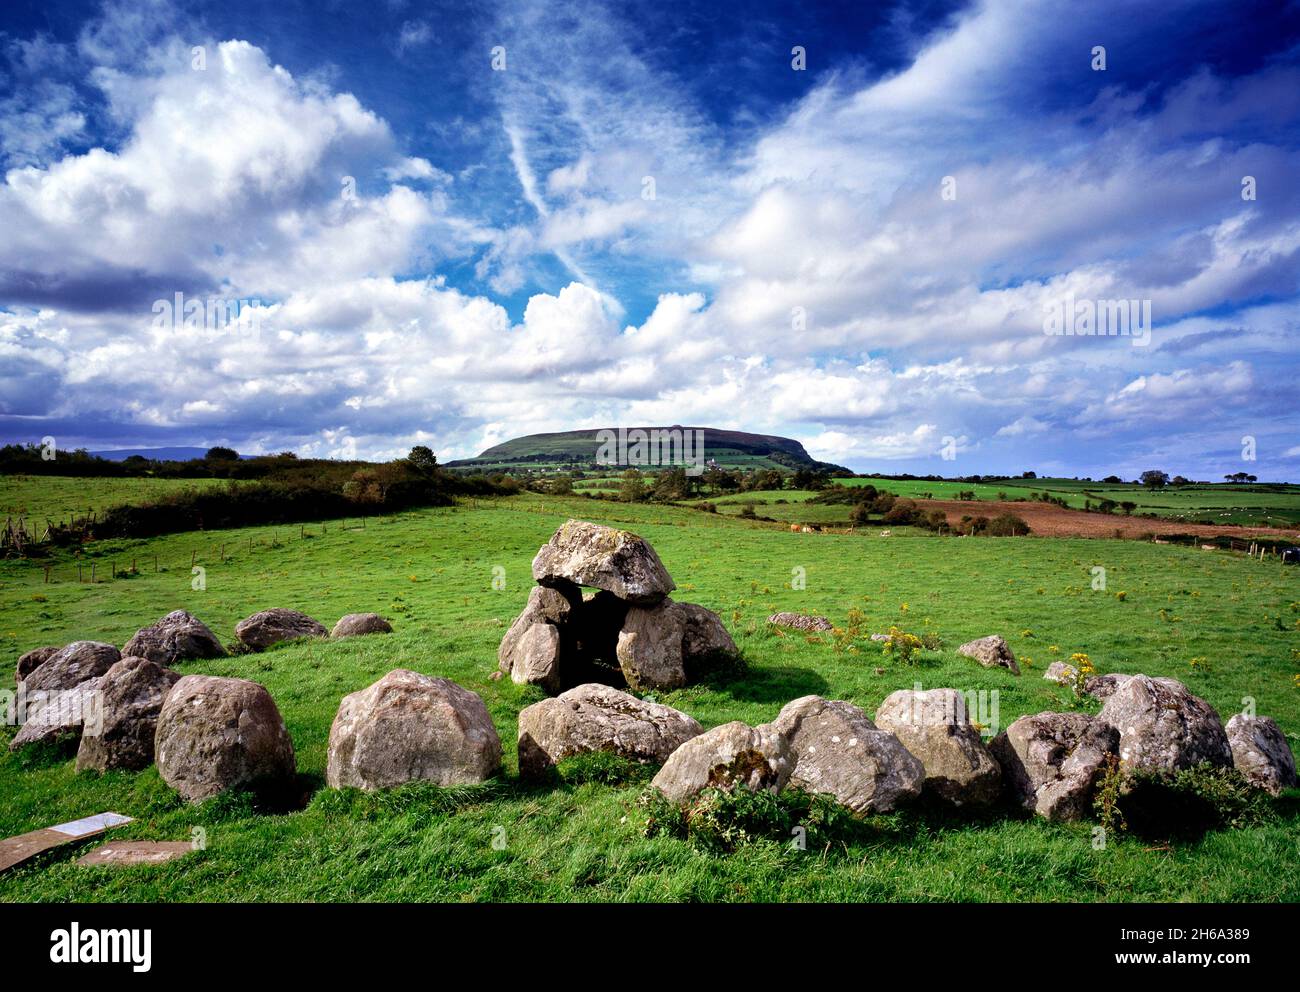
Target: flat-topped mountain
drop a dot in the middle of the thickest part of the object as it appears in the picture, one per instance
(663, 445)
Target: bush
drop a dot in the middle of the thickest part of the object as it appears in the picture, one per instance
(1189, 802)
(719, 821)
(1007, 525)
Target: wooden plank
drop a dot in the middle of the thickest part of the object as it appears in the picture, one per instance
(16, 850)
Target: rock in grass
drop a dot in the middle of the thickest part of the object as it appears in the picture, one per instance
(620, 562)
(735, 754)
(70, 666)
(261, 630)
(33, 660)
(597, 717)
(705, 637)
(1163, 727)
(177, 637)
(530, 652)
(357, 624)
(536, 657)
(56, 716)
(132, 694)
(991, 652)
(799, 621)
(933, 725)
(839, 752)
(1053, 762)
(650, 647)
(409, 727)
(1061, 673)
(216, 734)
(1261, 753)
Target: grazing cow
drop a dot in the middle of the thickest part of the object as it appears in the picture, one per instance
(884, 533)
(794, 528)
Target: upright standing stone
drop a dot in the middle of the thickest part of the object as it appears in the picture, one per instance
(177, 637)
(1261, 753)
(133, 692)
(933, 725)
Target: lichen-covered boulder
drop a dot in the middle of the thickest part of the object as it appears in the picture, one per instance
(1104, 686)
(57, 716)
(1163, 727)
(133, 692)
(70, 666)
(650, 647)
(1053, 762)
(799, 621)
(704, 636)
(838, 751)
(991, 652)
(261, 630)
(597, 717)
(532, 649)
(357, 624)
(1261, 753)
(587, 554)
(216, 734)
(409, 727)
(177, 637)
(735, 754)
(33, 660)
(933, 725)
(536, 657)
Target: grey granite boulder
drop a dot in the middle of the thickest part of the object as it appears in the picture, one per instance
(409, 727)
(1053, 762)
(261, 630)
(177, 637)
(357, 624)
(933, 725)
(1261, 753)
(991, 652)
(838, 751)
(70, 666)
(597, 717)
(587, 554)
(133, 692)
(732, 755)
(1163, 727)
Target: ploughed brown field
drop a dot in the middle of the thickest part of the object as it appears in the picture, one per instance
(1050, 520)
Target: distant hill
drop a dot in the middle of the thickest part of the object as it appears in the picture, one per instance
(730, 449)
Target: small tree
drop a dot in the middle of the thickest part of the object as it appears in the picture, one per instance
(422, 459)
(1155, 479)
(222, 454)
(632, 489)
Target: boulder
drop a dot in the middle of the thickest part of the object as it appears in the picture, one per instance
(800, 621)
(991, 652)
(840, 752)
(216, 734)
(1261, 753)
(1061, 673)
(586, 554)
(356, 624)
(132, 691)
(1163, 727)
(725, 757)
(32, 660)
(650, 647)
(261, 630)
(597, 717)
(545, 608)
(1052, 762)
(70, 666)
(933, 725)
(409, 727)
(705, 637)
(177, 637)
(57, 716)
(535, 659)
(1103, 686)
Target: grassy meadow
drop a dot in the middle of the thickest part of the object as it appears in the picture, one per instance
(1226, 625)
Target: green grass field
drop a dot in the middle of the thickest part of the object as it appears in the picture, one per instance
(431, 573)
(39, 498)
(1261, 505)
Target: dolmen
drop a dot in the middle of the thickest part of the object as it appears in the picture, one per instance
(625, 630)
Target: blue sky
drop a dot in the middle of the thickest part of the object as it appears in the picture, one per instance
(860, 254)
